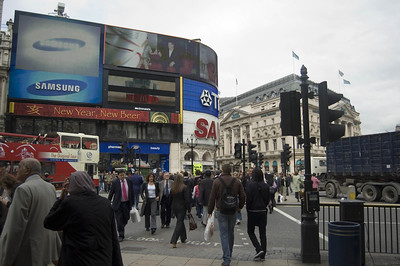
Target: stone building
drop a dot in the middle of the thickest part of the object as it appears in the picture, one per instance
(5, 55)
(255, 116)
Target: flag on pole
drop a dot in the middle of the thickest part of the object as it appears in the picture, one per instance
(341, 73)
(236, 82)
(295, 55)
(346, 81)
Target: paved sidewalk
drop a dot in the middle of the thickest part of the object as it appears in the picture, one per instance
(285, 260)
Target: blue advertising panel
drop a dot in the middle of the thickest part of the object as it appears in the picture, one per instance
(200, 97)
(56, 59)
(145, 148)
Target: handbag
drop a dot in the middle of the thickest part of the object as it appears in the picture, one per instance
(135, 217)
(192, 222)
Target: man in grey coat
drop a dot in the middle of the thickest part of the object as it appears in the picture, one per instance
(24, 240)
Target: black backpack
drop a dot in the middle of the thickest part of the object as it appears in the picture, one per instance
(229, 202)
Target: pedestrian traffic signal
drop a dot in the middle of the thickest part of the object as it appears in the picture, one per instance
(329, 132)
(287, 153)
(238, 151)
(290, 113)
(260, 159)
(252, 153)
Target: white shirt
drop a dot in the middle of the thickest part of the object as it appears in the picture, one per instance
(152, 191)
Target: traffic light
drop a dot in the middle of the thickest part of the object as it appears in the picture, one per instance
(290, 113)
(287, 153)
(329, 132)
(238, 150)
(131, 155)
(260, 159)
(122, 148)
(252, 153)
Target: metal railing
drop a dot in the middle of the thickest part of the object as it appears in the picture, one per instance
(381, 226)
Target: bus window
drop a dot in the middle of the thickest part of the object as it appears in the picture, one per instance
(15, 166)
(89, 143)
(70, 142)
(48, 167)
(7, 165)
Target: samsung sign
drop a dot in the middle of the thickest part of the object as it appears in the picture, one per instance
(200, 97)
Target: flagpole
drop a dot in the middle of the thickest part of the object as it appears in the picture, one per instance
(236, 92)
(294, 78)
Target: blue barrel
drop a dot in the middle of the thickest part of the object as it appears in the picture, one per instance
(344, 243)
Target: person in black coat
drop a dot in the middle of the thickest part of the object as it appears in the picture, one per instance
(257, 199)
(204, 194)
(122, 201)
(180, 204)
(87, 221)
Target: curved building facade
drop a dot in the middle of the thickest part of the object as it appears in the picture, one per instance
(135, 89)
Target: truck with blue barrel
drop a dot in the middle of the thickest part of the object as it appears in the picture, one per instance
(370, 163)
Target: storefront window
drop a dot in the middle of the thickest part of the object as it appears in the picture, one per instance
(88, 127)
(24, 125)
(71, 126)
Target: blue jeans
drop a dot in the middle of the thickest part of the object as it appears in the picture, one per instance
(136, 196)
(226, 225)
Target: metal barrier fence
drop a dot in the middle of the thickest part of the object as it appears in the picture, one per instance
(381, 226)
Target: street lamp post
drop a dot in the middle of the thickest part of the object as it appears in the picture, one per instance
(215, 154)
(191, 144)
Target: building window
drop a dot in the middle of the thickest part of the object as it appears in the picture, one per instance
(283, 142)
(274, 143)
(259, 145)
(266, 145)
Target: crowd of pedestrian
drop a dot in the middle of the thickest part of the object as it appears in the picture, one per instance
(92, 226)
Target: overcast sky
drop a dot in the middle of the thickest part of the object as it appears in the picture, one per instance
(254, 42)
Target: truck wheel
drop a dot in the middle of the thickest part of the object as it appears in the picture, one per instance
(390, 194)
(371, 193)
(330, 189)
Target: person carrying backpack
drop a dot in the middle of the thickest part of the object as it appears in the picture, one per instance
(228, 197)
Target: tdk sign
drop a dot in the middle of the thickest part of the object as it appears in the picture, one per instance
(200, 97)
(59, 44)
(208, 98)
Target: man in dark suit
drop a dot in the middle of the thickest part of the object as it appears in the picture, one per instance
(165, 188)
(121, 194)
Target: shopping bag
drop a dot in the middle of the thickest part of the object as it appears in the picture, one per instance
(135, 216)
(209, 231)
(192, 222)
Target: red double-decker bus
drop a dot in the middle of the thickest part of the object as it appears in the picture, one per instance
(60, 154)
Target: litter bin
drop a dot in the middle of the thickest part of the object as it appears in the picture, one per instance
(344, 243)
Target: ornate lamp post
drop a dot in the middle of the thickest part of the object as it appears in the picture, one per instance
(192, 143)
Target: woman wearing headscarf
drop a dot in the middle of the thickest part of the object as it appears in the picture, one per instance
(88, 224)
(180, 203)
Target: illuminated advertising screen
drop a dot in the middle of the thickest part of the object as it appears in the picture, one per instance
(144, 50)
(200, 97)
(56, 59)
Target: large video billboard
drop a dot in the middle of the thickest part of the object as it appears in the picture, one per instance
(56, 59)
(139, 49)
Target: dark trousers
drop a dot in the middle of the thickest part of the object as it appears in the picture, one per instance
(165, 211)
(122, 217)
(180, 229)
(257, 219)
